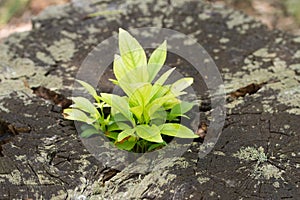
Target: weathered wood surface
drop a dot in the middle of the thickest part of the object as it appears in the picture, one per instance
(256, 157)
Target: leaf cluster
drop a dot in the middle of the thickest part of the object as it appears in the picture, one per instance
(149, 109)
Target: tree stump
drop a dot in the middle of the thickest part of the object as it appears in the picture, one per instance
(256, 156)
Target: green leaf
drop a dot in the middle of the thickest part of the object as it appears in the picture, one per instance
(119, 68)
(78, 115)
(127, 144)
(112, 135)
(171, 103)
(158, 91)
(138, 112)
(157, 60)
(165, 76)
(114, 81)
(129, 88)
(84, 105)
(119, 117)
(158, 117)
(177, 130)
(90, 89)
(132, 53)
(118, 103)
(180, 85)
(167, 101)
(129, 75)
(141, 96)
(149, 133)
(182, 108)
(89, 132)
(118, 126)
(124, 134)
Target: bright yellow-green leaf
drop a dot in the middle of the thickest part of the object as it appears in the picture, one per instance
(177, 130)
(158, 91)
(124, 134)
(149, 133)
(182, 108)
(89, 88)
(118, 103)
(138, 112)
(136, 75)
(85, 105)
(157, 60)
(118, 126)
(129, 88)
(78, 115)
(162, 79)
(162, 101)
(180, 85)
(132, 53)
(119, 68)
(171, 103)
(141, 96)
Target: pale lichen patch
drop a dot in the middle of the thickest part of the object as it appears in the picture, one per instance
(267, 108)
(264, 52)
(237, 19)
(18, 68)
(297, 54)
(189, 20)
(286, 84)
(83, 164)
(15, 177)
(276, 184)
(262, 169)
(21, 71)
(230, 106)
(202, 180)
(295, 67)
(44, 58)
(92, 29)
(203, 16)
(44, 179)
(30, 181)
(297, 39)
(69, 34)
(267, 171)
(278, 40)
(62, 50)
(251, 154)
(20, 157)
(224, 40)
(219, 153)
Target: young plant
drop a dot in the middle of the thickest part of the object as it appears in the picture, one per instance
(149, 109)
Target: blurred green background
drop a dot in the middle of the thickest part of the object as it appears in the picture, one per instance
(10, 8)
(15, 15)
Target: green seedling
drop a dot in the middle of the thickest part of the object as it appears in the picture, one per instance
(149, 109)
